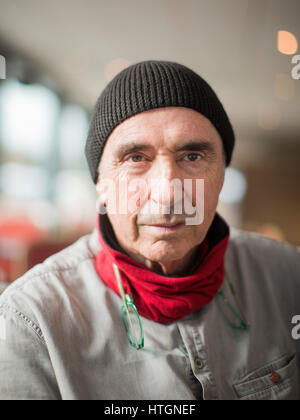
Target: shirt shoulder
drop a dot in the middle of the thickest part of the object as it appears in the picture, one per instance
(263, 249)
(48, 284)
(262, 266)
(85, 248)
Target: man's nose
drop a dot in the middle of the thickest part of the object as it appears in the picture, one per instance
(165, 186)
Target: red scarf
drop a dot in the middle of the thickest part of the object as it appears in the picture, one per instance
(165, 298)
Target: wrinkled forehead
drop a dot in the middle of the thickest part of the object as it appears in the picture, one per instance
(168, 126)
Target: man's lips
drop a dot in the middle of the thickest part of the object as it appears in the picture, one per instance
(166, 227)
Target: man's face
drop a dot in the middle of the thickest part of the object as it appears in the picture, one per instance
(150, 150)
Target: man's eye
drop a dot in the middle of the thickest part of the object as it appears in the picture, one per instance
(136, 158)
(192, 157)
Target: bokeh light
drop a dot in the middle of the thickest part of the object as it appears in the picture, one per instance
(286, 42)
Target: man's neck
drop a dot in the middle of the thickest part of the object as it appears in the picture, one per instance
(168, 268)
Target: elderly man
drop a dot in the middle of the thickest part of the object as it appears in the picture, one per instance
(162, 300)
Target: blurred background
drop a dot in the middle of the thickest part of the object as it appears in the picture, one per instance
(57, 57)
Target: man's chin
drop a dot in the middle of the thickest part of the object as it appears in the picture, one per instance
(163, 252)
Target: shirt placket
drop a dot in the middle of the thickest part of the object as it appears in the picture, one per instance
(192, 335)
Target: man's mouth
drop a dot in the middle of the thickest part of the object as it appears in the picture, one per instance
(167, 227)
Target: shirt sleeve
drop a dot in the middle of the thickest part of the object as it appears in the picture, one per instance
(25, 367)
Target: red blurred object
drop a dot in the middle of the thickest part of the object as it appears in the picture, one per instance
(23, 245)
(16, 237)
(38, 252)
(21, 229)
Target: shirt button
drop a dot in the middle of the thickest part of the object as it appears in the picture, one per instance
(199, 363)
(275, 377)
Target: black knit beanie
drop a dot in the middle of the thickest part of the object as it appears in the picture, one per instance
(148, 85)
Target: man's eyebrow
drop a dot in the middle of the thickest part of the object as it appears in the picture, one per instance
(191, 145)
(196, 145)
(132, 147)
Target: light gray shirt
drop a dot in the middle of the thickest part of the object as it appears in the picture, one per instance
(62, 337)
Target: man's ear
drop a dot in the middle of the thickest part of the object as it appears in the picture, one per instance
(224, 163)
(100, 204)
(223, 179)
(102, 193)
